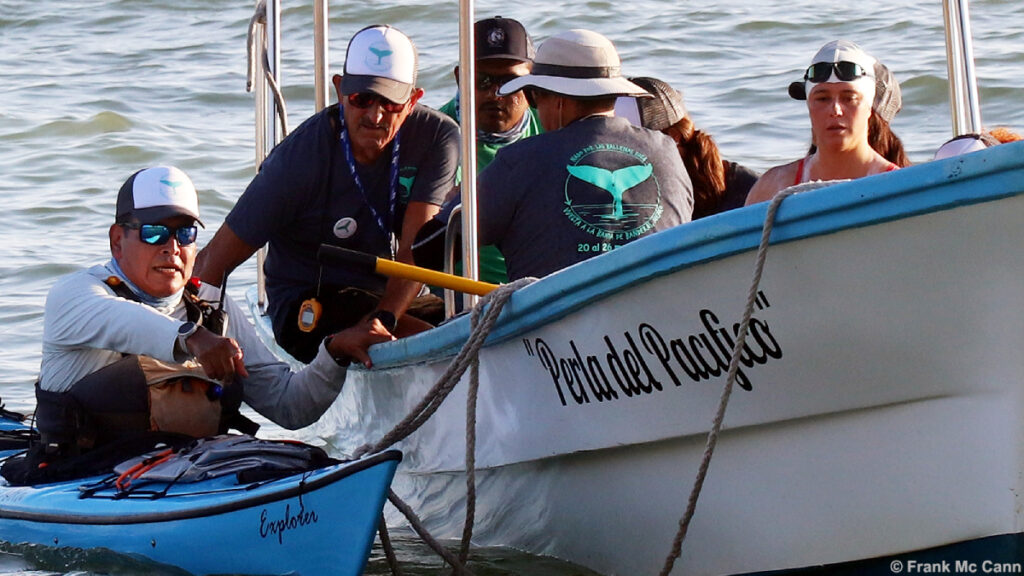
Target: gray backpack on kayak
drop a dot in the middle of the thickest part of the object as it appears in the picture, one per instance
(250, 459)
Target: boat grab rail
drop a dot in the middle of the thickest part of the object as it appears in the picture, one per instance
(262, 78)
(259, 62)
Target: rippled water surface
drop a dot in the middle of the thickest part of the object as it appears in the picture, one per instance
(92, 90)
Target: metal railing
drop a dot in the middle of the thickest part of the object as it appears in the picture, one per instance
(965, 108)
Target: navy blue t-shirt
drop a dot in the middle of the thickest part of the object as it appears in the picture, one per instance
(562, 197)
(304, 196)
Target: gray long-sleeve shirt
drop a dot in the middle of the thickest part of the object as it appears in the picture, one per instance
(87, 326)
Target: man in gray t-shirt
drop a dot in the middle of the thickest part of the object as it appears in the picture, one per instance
(591, 182)
(365, 175)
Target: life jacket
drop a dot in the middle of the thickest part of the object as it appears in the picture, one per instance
(140, 394)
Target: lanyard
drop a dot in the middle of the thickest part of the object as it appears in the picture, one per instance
(386, 227)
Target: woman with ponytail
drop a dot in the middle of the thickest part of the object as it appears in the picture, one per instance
(851, 99)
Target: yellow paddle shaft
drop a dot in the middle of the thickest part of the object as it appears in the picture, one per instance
(391, 268)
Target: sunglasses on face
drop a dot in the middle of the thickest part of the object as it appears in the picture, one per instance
(158, 234)
(365, 100)
(487, 81)
(845, 71)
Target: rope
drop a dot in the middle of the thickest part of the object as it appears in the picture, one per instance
(389, 550)
(471, 395)
(482, 319)
(417, 525)
(433, 399)
(716, 425)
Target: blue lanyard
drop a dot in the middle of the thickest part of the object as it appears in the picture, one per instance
(386, 227)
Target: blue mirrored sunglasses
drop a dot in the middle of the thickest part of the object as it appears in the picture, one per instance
(158, 234)
(845, 71)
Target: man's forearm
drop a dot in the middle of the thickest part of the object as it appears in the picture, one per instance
(398, 294)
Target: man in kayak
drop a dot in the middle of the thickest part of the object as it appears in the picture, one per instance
(131, 345)
(502, 51)
(591, 182)
(364, 174)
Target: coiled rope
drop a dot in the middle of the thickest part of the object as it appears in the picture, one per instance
(716, 425)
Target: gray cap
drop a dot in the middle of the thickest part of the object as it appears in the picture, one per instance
(662, 111)
(888, 99)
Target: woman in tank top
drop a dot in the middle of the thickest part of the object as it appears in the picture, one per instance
(851, 98)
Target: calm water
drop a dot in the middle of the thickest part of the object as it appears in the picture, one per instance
(92, 90)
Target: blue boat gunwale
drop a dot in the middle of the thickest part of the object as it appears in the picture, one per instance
(299, 488)
(916, 190)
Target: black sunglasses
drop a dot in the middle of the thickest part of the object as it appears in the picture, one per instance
(487, 81)
(364, 100)
(158, 234)
(845, 71)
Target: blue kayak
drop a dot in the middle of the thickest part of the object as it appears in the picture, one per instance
(321, 521)
(11, 420)
(15, 433)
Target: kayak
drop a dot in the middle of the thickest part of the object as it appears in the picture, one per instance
(15, 434)
(10, 420)
(321, 521)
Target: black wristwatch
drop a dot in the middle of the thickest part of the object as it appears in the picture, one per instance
(386, 318)
(184, 331)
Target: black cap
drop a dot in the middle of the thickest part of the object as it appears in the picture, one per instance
(502, 38)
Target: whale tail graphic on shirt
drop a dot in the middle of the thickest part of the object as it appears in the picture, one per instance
(615, 183)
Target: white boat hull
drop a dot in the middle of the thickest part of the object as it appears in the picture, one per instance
(885, 373)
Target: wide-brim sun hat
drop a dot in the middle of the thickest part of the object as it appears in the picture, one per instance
(578, 63)
(881, 84)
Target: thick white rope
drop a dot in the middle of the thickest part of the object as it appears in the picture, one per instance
(471, 396)
(716, 425)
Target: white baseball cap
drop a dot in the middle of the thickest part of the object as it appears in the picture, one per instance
(382, 60)
(877, 84)
(152, 194)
